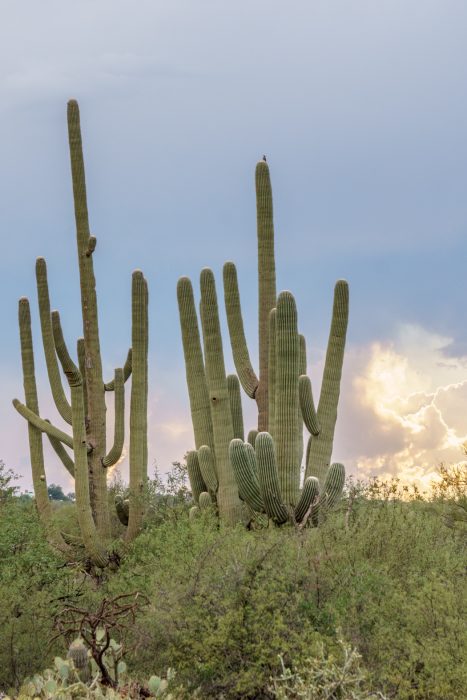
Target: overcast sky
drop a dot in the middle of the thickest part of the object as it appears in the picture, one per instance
(361, 108)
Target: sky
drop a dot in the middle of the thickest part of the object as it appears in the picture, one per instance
(361, 108)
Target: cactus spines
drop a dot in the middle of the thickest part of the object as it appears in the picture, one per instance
(254, 387)
(86, 412)
(272, 371)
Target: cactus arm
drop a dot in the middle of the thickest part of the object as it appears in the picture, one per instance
(227, 493)
(34, 433)
(321, 446)
(308, 498)
(235, 400)
(138, 404)
(241, 356)
(96, 409)
(110, 386)
(81, 352)
(91, 541)
(194, 366)
(307, 405)
(206, 465)
(301, 370)
(248, 486)
(333, 485)
(266, 282)
(251, 439)
(61, 401)
(205, 501)
(268, 479)
(194, 474)
(115, 452)
(63, 455)
(41, 424)
(287, 407)
(272, 371)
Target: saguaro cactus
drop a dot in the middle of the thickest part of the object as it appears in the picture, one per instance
(255, 387)
(268, 477)
(87, 410)
(210, 399)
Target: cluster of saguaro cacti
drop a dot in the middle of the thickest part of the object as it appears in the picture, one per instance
(86, 410)
(214, 400)
(266, 467)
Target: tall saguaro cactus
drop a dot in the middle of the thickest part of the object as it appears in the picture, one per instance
(86, 411)
(255, 387)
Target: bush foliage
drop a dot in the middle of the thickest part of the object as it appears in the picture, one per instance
(249, 614)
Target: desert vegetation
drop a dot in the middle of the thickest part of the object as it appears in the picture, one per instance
(255, 569)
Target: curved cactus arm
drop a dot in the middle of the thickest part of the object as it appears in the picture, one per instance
(251, 439)
(205, 501)
(43, 425)
(250, 451)
(241, 356)
(227, 493)
(115, 451)
(63, 455)
(321, 446)
(92, 543)
(301, 370)
(194, 474)
(235, 400)
(287, 407)
(206, 465)
(194, 366)
(34, 433)
(138, 403)
(269, 480)
(247, 481)
(308, 498)
(81, 352)
(58, 393)
(333, 486)
(272, 371)
(110, 386)
(307, 405)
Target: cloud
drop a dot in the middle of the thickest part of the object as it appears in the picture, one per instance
(408, 408)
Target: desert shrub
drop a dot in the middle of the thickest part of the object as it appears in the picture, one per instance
(32, 579)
